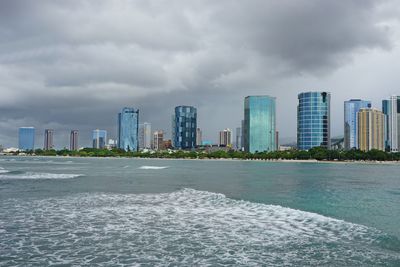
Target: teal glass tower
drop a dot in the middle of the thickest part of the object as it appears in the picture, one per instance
(26, 138)
(313, 120)
(259, 125)
(128, 129)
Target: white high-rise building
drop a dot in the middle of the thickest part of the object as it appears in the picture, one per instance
(239, 138)
(145, 135)
(225, 138)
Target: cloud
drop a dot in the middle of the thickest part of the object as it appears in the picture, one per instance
(75, 64)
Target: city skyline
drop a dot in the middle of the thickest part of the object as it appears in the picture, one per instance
(78, 74)
(305, 117)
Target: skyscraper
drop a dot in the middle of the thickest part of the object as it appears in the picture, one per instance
(128, 128)
(199, 137)
(313, 120)
(99, 139)
(73, 140)
(239, 138)
(48, 139)
(26, 138)
(184, 124)
(158, 140)
(370, 129)
(351, 108)
(225, 138)
(145, 135)
(391, 108)
(259, 126)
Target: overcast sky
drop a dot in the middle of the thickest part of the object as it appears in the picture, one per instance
(74, 64)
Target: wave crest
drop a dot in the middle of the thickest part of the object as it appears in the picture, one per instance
(37, 175)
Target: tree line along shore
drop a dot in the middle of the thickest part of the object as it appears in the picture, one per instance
(317, 153)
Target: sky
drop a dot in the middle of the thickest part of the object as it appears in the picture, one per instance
(75, 64)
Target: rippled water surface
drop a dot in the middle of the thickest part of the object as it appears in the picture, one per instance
(111, 212)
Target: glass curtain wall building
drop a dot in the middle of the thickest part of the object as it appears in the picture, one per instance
(184, 125)
(313, 120)
(99, 138)
(128, 129)
(391, 108)
(351, 108)
(145, 135)
(26, 138)
(259, 125)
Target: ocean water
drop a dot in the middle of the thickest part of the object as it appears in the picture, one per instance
(130, 212)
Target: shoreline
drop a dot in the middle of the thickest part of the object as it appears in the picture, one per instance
(229, 159)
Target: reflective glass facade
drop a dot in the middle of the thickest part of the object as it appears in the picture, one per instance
(259, 130)
(128, 129)
(26, 138)
(99, 138)
(351, 108)
(184, 125)
(313, 120)
(391, 108)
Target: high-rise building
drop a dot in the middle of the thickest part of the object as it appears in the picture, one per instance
(184, 125)
(48, 139)
(259, 126)
(225, 138)
(313, 120)
(239, 138)
(145, 135)
(99, 139)
(158, 140)
(391, 108)
(167, 144)
(26, 138)
(242, 134)
(371, 124)
(351, 108)
(73, 140)
(199, 137)
(128, 129)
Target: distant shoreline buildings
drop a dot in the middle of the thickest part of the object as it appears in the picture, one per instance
(365, 128)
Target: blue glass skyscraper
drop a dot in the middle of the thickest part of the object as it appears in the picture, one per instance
(313, 120)
(26, 138)
(391, 108)
(99, 139)
(184, 125)
(259, 124)
(351, 108)
(128, 129)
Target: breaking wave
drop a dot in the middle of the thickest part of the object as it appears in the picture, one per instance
(186, 228)
(2, 170)
(36, 175)
(153, 167)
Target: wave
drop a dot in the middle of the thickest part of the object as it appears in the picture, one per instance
(2, 170)
(187, 227)
(37, 175)
(153, 167)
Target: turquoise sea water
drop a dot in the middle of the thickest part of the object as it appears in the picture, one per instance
(110, 212)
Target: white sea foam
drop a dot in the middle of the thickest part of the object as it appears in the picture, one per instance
(186, 228)
(153, 167)
(38, 175)
(2, 170)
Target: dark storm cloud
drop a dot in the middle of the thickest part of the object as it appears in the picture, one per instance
(75, 64)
